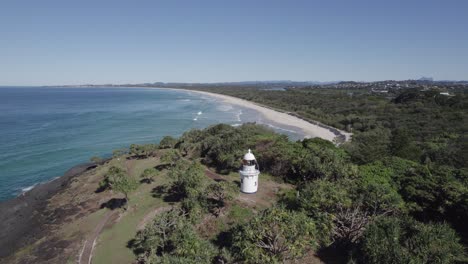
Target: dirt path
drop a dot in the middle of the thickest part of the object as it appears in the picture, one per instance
(87, 252)
(129, 166)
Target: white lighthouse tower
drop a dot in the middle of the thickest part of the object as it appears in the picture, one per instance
(249, 174)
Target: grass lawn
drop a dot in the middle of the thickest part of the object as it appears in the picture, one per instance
(112, 243)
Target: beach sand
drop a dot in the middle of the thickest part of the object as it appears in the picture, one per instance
(310, 130)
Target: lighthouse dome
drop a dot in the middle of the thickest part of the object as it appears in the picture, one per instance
(249, 156)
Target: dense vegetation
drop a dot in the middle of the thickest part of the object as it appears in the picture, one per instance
(397, 193)
(424, 126)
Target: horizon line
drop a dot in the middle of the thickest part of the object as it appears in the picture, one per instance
(233, 82)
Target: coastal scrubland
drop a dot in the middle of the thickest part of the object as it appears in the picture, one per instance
(396, 193)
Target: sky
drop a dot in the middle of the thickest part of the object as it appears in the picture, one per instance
(96, 42)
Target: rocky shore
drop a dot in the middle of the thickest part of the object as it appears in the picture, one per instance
(22, 219)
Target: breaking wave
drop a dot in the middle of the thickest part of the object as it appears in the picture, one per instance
(281, 128)
(238, 116)
(27, 189)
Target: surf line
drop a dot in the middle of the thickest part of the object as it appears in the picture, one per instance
(198, 114)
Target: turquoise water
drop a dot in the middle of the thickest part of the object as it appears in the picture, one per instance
(45, 131)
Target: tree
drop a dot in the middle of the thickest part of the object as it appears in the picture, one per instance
(195, 207)
(370, 146)
(96, 159)
(349, 224)
(323, 201)
(188, 245)
(344, 208)
(376, 189)
(169, 238)
(317, 160)
(116, 179)
(171, 156)
(190, 142)
(149, 174)
(124, 184)
(218, 193)
(188, 186)
(275, 235)
(155, 238)
(277, 156)
(222, 191)
(322, 196)
(119, 152)
(167, 142)
(188, 179)
(143, 151)
(135, 150)
(403, 146)
(404, 240)
(106, 183)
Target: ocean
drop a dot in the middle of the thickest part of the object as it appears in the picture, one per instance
(46, 131)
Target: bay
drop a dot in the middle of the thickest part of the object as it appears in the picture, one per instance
(46, 130)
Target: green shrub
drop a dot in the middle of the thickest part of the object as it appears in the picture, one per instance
(404, 240)
(274, 236)
(167, 142)
(169, 238)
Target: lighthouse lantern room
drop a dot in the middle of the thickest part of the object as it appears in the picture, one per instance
(249, 174)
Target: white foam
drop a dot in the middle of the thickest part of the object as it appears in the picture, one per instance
(284, 129)
(27, 189)
(238, 116)
(198, 114)
(236, 125)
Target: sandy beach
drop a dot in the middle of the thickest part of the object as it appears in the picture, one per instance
(309, 129)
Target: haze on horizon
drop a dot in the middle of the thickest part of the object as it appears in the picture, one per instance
(81, 42)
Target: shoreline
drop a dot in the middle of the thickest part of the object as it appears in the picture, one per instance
(22, 217)
(309, 128)
(276, 119)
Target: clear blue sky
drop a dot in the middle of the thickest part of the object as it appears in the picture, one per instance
(73, 42)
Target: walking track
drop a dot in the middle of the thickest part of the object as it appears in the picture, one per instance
(87, 252)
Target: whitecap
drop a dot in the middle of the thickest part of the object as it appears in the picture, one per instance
(199, 113)
(238, 116)
(27, 189)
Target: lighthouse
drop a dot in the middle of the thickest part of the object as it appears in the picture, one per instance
(249, 173)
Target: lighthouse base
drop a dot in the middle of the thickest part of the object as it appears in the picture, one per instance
(249, 192)
(249, 181)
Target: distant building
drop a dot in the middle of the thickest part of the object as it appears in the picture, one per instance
(249, 173)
